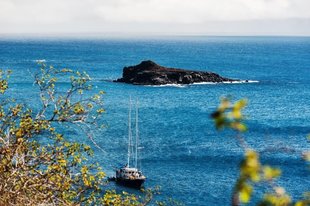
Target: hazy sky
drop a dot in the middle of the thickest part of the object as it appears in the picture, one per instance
(210, 17)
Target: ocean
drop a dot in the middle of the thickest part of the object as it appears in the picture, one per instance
(181, 150)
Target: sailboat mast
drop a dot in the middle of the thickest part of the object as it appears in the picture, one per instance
(137, 136)
(129, 134)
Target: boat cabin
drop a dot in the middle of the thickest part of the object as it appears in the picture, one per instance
(129, 173)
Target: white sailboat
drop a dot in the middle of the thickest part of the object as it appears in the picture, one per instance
(130, 175)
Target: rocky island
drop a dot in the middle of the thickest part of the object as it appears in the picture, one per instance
(150, 73)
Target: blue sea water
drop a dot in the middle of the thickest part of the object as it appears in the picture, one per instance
(182, 152)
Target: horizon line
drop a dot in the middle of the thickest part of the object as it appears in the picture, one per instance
(103, 35)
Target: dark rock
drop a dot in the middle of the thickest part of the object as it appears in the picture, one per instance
(150, 73)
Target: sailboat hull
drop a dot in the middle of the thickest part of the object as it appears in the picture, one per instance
(136, 183)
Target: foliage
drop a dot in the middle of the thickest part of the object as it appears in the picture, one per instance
(252, 171)
(38, 164)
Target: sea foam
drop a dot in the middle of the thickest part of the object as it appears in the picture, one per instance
(205, 83)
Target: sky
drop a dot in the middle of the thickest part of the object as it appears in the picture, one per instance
(156, 17)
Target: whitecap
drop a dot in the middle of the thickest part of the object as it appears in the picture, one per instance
(241, 82)
(169, 85)
(205, 83)
(227, 82)
(40, 60)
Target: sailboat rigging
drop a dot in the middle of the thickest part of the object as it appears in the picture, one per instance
(129, 175)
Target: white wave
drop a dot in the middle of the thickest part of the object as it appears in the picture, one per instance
(227, 82)
(40, 60)
(205, 83)
(169, 85)
(241, 82)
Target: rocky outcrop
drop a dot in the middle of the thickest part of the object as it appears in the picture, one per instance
(150, 73)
